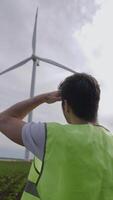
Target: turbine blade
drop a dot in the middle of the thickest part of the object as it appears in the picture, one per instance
(34, 38)
(16, 66)
(56, 64)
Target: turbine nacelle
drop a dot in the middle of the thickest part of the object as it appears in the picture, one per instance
(35, 59)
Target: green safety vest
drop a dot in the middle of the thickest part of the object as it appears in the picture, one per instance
(77, 165)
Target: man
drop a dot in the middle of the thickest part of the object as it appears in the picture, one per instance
(77, 158)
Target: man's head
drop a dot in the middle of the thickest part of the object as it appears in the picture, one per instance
(80, 95)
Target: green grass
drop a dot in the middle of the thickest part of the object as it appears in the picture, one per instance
(13, 176)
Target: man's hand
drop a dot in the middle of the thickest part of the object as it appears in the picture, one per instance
(53, 97)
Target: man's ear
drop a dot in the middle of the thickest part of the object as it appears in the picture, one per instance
(66, 106)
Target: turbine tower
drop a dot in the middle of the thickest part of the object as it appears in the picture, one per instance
(36, 59)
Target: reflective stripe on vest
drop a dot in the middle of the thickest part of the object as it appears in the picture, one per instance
(31, 188)
(30, 191)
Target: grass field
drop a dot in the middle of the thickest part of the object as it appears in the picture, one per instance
(13, 176)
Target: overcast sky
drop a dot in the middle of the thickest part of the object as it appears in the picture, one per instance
(77, 33)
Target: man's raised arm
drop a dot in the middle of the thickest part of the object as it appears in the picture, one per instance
(11, 122)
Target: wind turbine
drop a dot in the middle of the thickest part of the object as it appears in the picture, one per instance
(36, 60)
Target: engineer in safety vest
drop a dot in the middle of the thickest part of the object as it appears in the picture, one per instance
(73, 161)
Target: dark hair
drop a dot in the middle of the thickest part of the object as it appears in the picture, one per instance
(82, 93)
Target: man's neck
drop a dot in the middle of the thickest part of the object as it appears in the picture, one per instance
(76, 120)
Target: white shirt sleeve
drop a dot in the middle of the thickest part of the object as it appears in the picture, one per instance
(33, 136)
